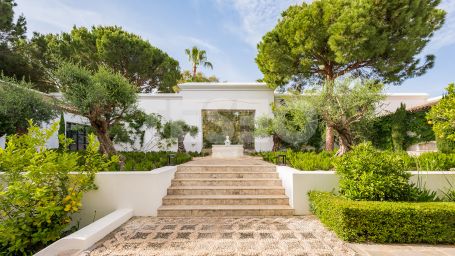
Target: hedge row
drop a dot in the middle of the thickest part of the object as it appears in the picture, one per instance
(146, 161)
(385, 222)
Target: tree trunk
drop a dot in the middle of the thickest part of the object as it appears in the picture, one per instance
(276, 143)
(329, 138)
(345, 141)
(329, 134)
(194, 70)
(106, 144)
(181, 146)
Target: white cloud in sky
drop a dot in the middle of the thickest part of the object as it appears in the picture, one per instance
(446, 35)
(256, 16)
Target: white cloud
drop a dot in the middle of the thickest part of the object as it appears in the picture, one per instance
(204, 44)
(446, 35)
(256, 16)
(53, 16)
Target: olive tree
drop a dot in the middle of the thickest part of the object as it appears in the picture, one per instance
(104, 97)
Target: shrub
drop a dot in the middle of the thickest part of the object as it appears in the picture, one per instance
(307, 161)
(385, 222)
(147, 161)
(38, 193)
(369, 174)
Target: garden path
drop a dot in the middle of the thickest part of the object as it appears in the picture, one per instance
(271, 236)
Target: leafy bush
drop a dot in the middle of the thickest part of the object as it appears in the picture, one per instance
(38, 194)
(308, 161)
(147, 161)
(369, 174)
(385, 222)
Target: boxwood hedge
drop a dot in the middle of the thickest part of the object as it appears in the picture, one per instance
(385, 222)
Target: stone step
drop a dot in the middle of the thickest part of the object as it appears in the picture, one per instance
(225, 175)
(224, 210)
(225, 190)
(226, 182)
(229, 168)
(226, 200)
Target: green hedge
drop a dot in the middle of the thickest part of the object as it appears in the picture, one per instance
(310, 161)
(146, 161)
(385, 222)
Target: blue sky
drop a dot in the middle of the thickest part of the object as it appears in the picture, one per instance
(228, 29)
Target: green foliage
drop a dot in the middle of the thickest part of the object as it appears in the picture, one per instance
(104, 97)
(197, 57)
(368, 174)
(13, 63)
(442, 116)
(177, 130)
(344, 103)
(18, 104)
(144, 65)
(147, 161)
(307, 161)
(445, 146)
(331, 38)
(399, 130)
(38, 193)
(385, 222)
(293, 124)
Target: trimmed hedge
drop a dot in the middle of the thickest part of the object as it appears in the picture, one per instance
(385, 222)
(308, 161)
(146, 161)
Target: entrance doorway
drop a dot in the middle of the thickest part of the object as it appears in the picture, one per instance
(237, 124)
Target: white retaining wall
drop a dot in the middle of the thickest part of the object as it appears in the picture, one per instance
(140, 191)
(297, 184)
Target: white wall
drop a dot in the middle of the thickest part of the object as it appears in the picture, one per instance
(297, 184)
(140, 191)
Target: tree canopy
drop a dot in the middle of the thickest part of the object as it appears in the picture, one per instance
(198, 57)
(12, 42)
(144, 65)
(18, 104)
(345, 103)
(327, 39)
(103, 96)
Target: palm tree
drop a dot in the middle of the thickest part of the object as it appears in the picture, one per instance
(198, 57)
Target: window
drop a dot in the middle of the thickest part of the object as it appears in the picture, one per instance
(78, 133)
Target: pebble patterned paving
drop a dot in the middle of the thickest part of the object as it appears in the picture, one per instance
(271, 236)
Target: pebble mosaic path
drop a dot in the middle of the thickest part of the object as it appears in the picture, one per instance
(271, 236)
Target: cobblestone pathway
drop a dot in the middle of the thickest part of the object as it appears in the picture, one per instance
(222, 237)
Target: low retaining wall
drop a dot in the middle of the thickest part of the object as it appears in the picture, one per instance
(297, 184)
(140, 191)
(84, 238)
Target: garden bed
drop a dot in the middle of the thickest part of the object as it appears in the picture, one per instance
(385, 222)
(146, 161)
(324, 161)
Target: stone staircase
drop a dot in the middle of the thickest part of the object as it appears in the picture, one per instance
(245, 187)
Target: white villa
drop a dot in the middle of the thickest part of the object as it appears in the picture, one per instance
(209, 103)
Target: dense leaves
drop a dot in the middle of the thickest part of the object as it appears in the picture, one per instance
(176, 131)
(345, 103)
(18, 103)
(326, 39)
(144, 65)
(41, 188)
(368, 174)
(385, 222)
(104, 97)
(442, 116)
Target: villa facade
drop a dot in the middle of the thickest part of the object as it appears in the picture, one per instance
(227, 108)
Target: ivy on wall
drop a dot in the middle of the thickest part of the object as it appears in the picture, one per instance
(400, 130)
